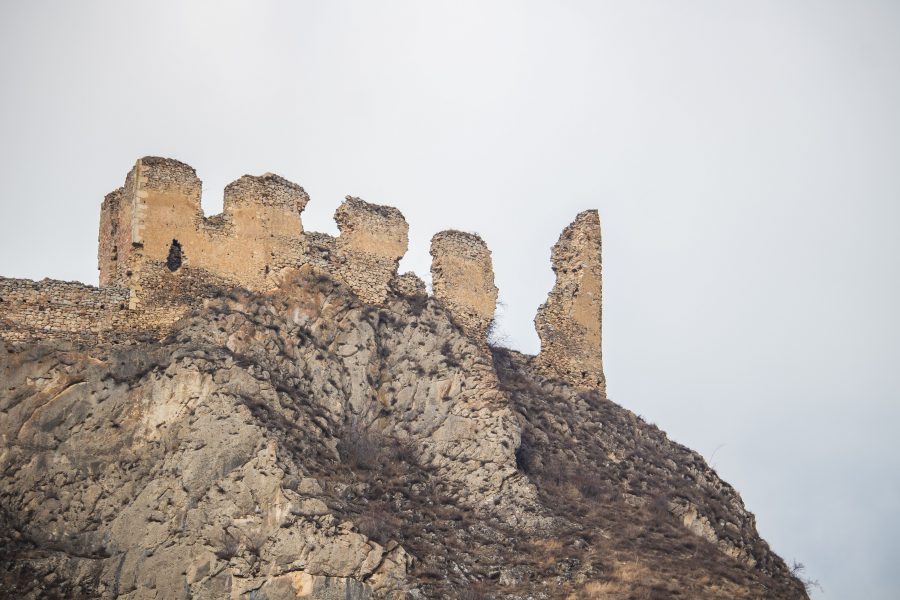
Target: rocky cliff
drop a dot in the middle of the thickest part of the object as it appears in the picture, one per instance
(303, 443)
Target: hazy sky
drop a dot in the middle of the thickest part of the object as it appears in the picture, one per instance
(744, 156)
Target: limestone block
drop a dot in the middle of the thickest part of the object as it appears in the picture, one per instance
(463, 279)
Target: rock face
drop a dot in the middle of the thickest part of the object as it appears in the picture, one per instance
(305, 444)
(294, 419)
(463, 279)
(569, 322)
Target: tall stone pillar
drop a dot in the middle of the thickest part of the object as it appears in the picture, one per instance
(569, 323)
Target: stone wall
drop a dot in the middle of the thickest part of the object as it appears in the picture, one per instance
(373, 239)
(257, 235)
(409, 285)
(569, 322)
(157, 215)
(50, 308)
(462, 277)
(159, 258)
(163, 257)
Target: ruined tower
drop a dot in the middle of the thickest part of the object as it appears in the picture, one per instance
(569, 322)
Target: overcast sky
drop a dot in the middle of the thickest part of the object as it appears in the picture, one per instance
(744, 157)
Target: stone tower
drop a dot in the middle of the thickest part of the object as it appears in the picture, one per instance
(569, 322)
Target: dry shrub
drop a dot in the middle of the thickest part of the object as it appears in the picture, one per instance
(379, 524)
(366, 450)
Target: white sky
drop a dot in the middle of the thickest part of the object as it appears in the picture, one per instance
(743, 155)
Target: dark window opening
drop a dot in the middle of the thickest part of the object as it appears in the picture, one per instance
(173, 262)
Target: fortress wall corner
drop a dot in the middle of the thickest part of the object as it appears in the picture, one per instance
(463, 280)
(569, 323)
(372, 240)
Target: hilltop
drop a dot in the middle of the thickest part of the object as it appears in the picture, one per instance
(246, 409)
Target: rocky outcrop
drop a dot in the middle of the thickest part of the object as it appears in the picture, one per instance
(569, 322)
(462, 276)
(245, 409)
(305, 444)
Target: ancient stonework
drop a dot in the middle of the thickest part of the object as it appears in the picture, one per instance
(244, 409)
(160, 258)
(409, 285)
(462, 277)
(569, 322)
(157, 249)
(31, 309)
(256, 236)
(373, 240)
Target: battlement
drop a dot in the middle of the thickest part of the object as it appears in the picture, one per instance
(159, 257)
(462, 275)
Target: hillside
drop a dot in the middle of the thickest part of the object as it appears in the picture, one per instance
(305, 443)
(247, 409)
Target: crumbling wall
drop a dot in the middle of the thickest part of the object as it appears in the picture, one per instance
(156, 220)
(569, 322)
(462, 277)
(158, 210)
(373, 239)
(409, 285)
(109, 240)
(159, 258)
(51, 308)
(163, 257)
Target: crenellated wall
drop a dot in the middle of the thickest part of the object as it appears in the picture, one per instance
(156, 247)
(257, 234)
(569, 322)
(462, 277)
(159, 257)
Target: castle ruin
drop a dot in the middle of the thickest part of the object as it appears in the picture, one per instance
(159, 257)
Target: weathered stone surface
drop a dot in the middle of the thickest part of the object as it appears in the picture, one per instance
(256, 411)
(462, 277)
(569, 322)
(259, 235)
(409, 285)
(304, 442)
(373, 240)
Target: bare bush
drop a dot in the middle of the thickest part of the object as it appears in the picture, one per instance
(359, 447)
